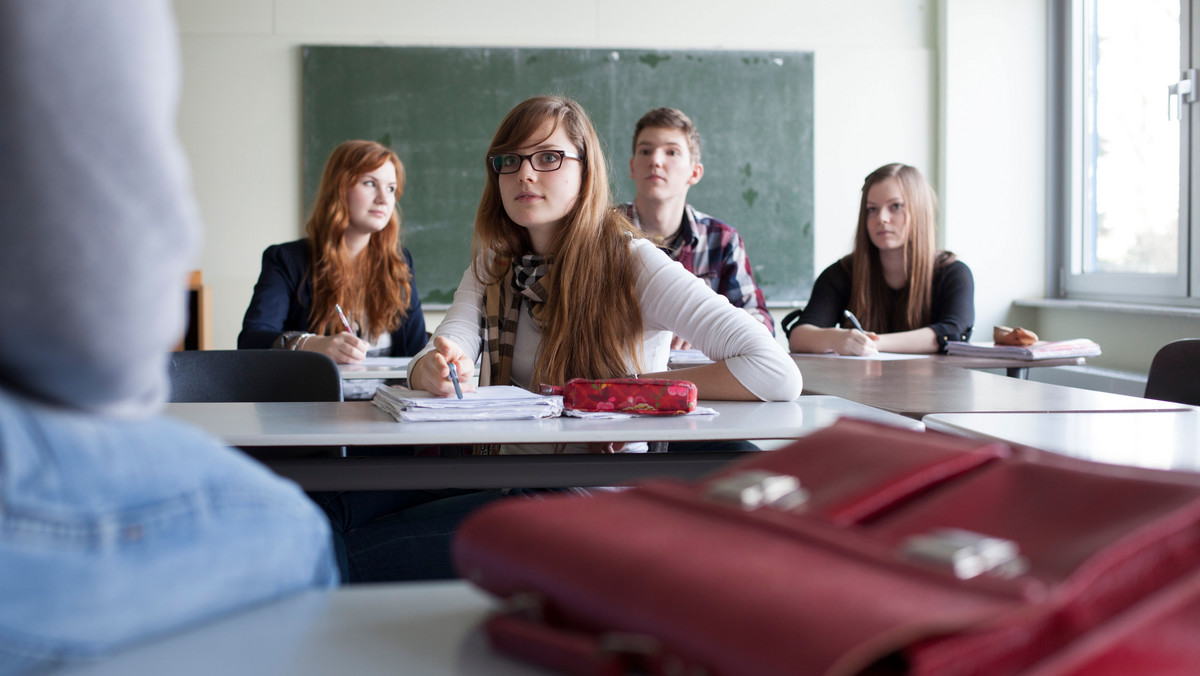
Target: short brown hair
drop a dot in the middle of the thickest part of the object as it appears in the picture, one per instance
(671, 118)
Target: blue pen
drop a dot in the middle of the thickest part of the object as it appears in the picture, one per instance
(454, 379)
(853, 320)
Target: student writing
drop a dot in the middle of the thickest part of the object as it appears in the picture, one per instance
(565, 287)
(665, 165)
(907, 295)
(351, 257)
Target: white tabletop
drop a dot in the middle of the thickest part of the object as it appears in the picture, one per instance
(412, 629)
(361, 423)
(1156, 439)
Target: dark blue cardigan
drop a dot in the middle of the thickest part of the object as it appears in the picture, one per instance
(283, 299)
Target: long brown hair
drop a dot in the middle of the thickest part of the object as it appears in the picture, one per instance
(868, 288)
(375, 285)
(591, 322)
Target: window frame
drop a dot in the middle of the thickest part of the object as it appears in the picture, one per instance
(1067, 164)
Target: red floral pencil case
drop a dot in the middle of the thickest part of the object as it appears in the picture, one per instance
(627, 395)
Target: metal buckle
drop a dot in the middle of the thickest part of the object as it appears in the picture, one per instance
(757, 488)
(967, 553)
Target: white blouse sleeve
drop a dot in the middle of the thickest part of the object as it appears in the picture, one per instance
(463, 320)
(675, 300)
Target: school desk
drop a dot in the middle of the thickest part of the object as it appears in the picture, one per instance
(430, 629)
(1156, 439)
(354, 424)
(376, 367)
(1013, 368)
(919, 387)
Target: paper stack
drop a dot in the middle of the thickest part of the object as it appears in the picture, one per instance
(688, 358)
(503, 402)
(1059, 349)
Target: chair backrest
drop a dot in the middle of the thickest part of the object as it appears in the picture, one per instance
(1175, 373)
(253, 375)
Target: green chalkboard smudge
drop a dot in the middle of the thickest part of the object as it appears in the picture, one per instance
(749, 195)
(653, 60)
(437, 296)
(386, 140)
(746, 170)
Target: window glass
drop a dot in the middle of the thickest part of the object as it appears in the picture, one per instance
(1131, 147)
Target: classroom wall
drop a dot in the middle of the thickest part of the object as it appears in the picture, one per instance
(992, 65)
(955, 87)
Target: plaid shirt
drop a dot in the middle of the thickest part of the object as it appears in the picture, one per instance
(714, 252)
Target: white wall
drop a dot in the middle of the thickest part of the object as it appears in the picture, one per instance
(993, 143)
(876, 94)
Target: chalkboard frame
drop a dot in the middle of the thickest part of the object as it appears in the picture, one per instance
(438, 107)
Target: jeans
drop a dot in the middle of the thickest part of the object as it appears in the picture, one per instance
(113, 531)
(388, 536)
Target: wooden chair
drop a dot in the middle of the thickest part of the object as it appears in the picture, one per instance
(1175, 373)
(199, 324)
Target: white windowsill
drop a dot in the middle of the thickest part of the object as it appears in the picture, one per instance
(1109, 306)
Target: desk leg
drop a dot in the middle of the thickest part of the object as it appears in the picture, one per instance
(1020, 372)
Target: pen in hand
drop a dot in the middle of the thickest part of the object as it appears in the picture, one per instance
(346, 322)
(453, 376)
(853, 320)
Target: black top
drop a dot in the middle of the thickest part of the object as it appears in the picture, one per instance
(952, 308)
(283, 299)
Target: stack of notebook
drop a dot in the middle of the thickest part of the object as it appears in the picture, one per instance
(487, 403)
(1057, 349)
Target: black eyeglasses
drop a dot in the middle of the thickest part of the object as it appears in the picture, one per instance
(542, 160)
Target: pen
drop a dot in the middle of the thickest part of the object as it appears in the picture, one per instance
(346, 322)
(454, 379)
(853, 320)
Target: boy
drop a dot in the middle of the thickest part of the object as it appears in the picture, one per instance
(665, 163)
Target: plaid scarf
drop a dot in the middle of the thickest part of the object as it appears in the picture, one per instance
(502, 303)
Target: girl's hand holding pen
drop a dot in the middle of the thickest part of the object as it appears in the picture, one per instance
(432, 372)
(853, 342)
(856, 341)
(343, 348)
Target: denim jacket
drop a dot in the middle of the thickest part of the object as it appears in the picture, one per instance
(113, 531)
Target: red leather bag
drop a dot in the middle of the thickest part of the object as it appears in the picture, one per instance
(648, 396)
(860, 549)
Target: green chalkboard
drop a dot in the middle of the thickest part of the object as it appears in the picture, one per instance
(438, 108)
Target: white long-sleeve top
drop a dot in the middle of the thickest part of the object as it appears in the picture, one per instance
(673, 300)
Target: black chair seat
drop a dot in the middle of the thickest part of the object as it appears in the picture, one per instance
(1175, 373)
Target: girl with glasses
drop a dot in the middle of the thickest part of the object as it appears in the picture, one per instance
(565, 287)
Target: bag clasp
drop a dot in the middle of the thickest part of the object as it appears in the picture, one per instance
(967, 553)
(752, 489)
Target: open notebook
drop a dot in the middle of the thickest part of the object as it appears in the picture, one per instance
(500, 402)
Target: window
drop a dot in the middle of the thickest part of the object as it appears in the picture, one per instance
(1122, 154)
